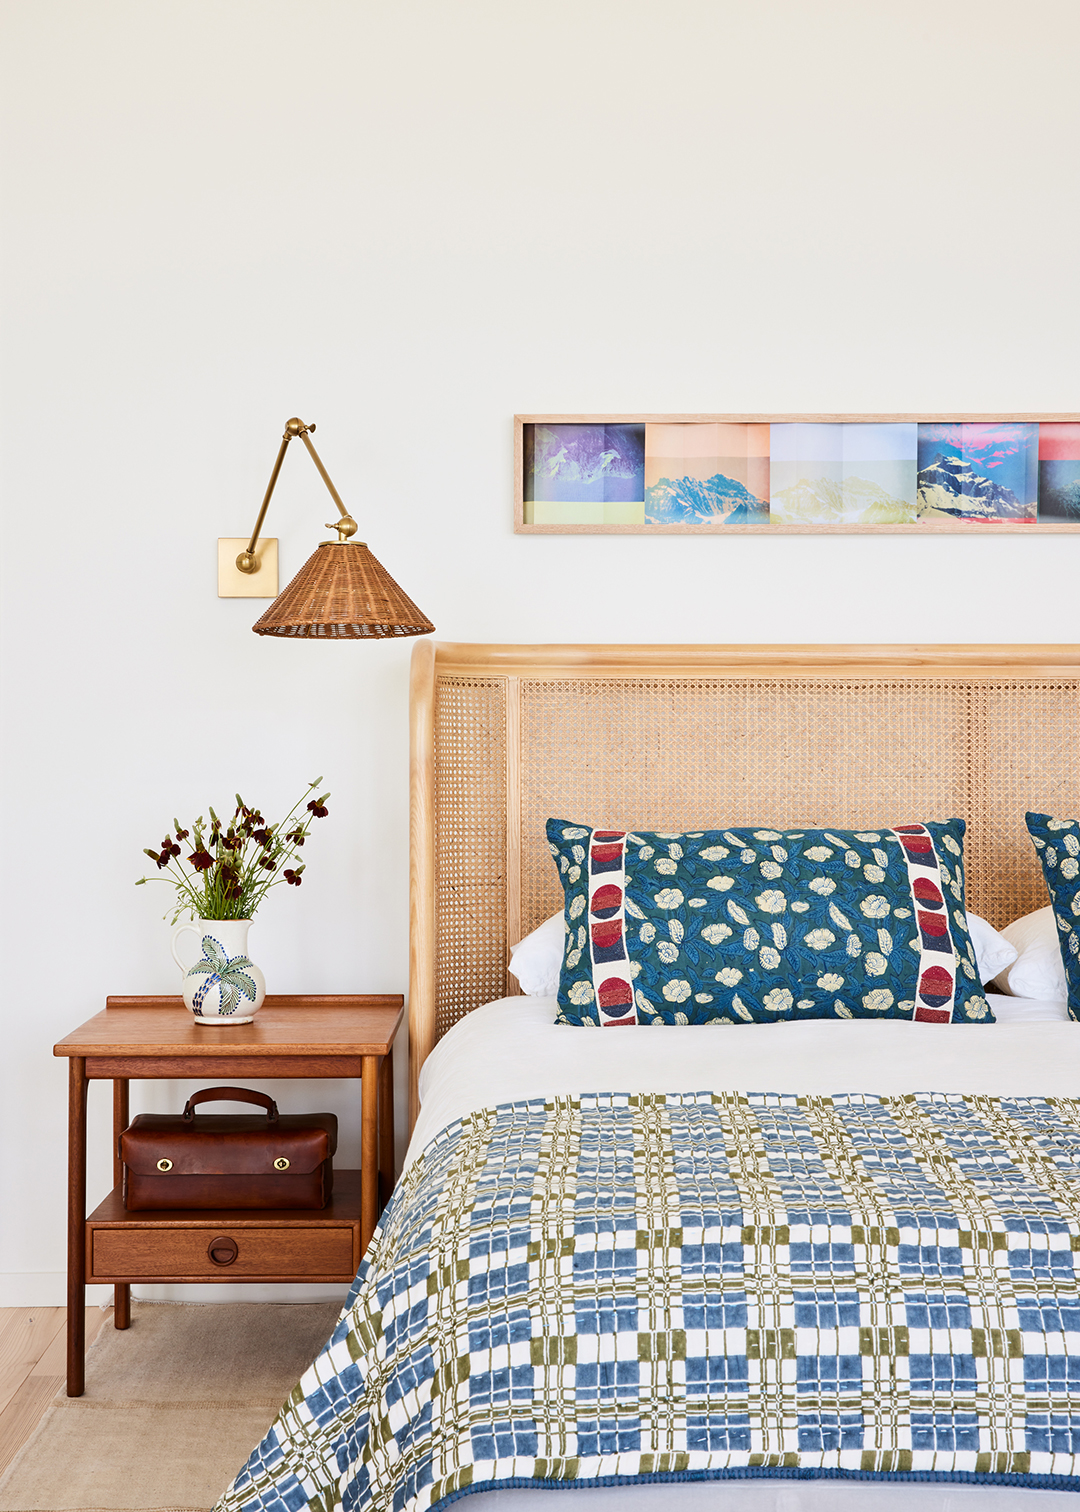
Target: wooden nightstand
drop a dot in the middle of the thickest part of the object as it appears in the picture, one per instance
(292, 1036)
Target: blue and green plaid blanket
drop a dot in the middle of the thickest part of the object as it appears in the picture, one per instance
(609, 1287)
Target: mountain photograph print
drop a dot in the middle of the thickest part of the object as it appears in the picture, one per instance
(706, 474)
(1059, 472)
(703, 474)
(584, 474)
(979, 471)
(843, 474)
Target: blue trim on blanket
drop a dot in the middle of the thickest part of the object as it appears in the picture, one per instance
(768, 1472)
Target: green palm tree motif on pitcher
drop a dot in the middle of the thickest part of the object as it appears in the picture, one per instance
(224, 972)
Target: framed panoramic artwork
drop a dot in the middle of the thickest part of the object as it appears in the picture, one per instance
(702, 474)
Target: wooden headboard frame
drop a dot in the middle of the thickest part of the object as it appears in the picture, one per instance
(685, 737)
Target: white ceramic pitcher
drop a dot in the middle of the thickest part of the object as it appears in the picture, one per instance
(222, 986)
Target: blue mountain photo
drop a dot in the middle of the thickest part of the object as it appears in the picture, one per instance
(1059, 490)
(949, 485)
(692, 501)
(978, 470)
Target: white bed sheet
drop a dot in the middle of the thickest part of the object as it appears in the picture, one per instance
(513, 1049)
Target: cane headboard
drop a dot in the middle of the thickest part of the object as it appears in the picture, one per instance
(692, 737)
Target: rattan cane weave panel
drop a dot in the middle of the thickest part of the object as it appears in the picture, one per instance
(1032, 741)
(470, 846)
(676, 752)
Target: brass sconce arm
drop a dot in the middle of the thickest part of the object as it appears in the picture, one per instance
(345, 527)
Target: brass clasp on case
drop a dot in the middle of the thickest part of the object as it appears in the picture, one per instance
(281, 1164)
(164, 1165)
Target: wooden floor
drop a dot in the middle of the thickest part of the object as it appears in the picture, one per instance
(33, 1349)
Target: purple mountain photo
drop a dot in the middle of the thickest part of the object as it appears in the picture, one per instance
(583, 463)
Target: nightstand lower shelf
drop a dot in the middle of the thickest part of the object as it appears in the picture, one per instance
(250, 1244)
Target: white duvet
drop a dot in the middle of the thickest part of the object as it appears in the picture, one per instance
(513, 1049)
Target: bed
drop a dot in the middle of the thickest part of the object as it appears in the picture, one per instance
(818, 1264)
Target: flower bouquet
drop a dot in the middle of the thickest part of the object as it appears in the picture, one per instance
(234, 865)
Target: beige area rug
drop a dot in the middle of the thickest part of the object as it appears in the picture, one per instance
(173, 1407)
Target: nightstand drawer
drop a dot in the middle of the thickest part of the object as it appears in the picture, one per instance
(221, 1253)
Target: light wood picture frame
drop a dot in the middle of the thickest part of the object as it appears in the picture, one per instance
(796, 474)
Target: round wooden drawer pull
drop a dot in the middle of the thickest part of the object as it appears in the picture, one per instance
(222, 1251)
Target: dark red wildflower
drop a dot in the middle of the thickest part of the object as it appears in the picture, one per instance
(201, 860)
(296, 837)
(293, 878)
(320, 810)
(268, 862)
(262, 836)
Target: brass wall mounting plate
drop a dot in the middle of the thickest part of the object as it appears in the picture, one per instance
(232, 583)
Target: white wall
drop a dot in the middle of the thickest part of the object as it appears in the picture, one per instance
(407, 221)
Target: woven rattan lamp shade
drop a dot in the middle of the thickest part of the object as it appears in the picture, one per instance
(343, 593)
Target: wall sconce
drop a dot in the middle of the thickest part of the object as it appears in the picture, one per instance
(342, 592)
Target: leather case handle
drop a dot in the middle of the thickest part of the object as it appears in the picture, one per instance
(230, 1094)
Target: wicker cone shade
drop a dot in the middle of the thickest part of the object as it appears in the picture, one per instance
(343, 593)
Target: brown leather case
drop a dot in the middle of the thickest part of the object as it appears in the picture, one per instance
(228, 1160)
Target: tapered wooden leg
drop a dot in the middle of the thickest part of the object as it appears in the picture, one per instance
(386, 1129)
(76, 1268)
(369, 1148)
(121, 1119)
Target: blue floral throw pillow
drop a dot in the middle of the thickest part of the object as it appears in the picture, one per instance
(1057, 842)
(757, 925)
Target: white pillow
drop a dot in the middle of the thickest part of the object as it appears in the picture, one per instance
(536, 959)
(1039, 971)
(993, 952)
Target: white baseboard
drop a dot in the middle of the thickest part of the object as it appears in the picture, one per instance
(49, 1289)
(43, 1289)
(250, 1291)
